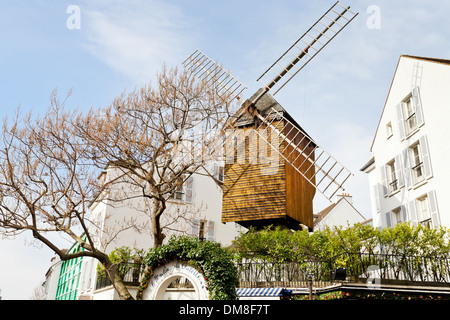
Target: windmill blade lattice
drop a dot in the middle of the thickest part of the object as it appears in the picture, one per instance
(314, 163)
(214, 75)
(307, 46)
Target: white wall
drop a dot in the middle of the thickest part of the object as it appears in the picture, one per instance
(111, 217)
(343, 214)
(433, 80)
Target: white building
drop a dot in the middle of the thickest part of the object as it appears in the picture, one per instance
(341, 213)
(408, 174)
(194, 210)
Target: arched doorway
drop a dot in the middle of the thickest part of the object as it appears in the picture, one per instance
(176, 280)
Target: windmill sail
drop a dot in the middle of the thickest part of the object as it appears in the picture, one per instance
(212, 74)
(314, 163)
(307, 46)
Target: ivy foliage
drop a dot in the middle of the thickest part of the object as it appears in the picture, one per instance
(209, 258)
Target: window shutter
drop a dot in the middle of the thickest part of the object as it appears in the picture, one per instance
(388, 219)
(417, 105)
(435, 219)
(407, 168)
(384, 183)
(195, 227)
(400, 121)
(399, 171)
(189, 190)
(376, 197)
(403, 213)
(425, 157)
(412, 212)
(210, 235)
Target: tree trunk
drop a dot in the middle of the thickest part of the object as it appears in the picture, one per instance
(117, 282)
(158, 235)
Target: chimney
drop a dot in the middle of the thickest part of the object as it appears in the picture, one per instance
(347, 197)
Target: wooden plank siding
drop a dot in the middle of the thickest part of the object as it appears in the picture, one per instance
(259, 194)
(300, 192)
(253, 191)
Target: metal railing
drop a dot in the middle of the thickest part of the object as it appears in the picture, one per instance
(257, 274)
(396, 268)
(360, 267)
(131, 274)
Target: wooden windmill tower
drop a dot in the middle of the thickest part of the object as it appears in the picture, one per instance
(272, 167)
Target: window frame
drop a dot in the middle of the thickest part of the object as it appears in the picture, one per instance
(392, 179)
(416, 158)
(422, 204)
(185, 191)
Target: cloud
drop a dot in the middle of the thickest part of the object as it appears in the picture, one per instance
(135, 38)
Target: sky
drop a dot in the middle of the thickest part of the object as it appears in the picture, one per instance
(99, 49)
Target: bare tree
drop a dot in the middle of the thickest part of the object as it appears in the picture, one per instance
(38, 293)
(46, 184)
(156, 138)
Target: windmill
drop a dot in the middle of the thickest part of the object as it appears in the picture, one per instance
(259, 193)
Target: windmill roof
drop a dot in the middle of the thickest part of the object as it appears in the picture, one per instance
(264, 106)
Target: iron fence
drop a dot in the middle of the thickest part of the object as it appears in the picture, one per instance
(395, 268)
(263, 273)
(360, 267)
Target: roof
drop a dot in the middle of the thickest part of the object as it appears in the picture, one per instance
(322, 214)
(264, 105)
(368, 164)
(437, 60)
(428, 59)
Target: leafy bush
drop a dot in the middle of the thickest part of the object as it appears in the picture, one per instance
(280, 245)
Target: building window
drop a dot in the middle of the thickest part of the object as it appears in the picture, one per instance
(397, 216)
(184, 191)
(392, 177)
(423, 211)
(389, 131)
(410, 115)
(203, 229)
(218, 172)
(416, 163)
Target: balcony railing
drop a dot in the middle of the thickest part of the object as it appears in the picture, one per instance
(130, 273)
